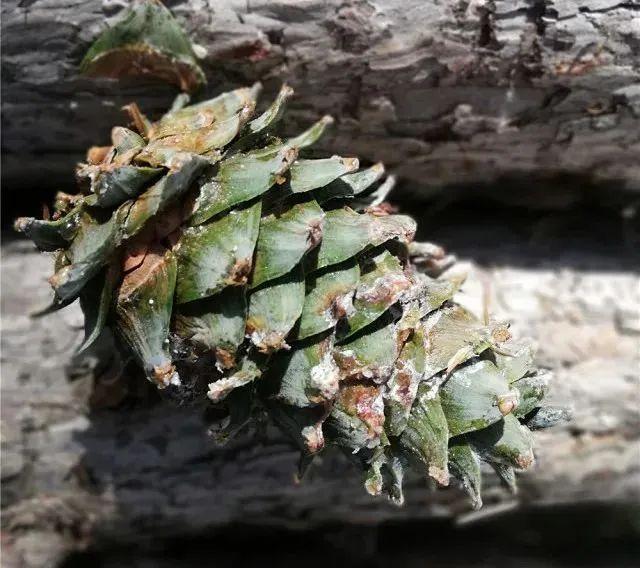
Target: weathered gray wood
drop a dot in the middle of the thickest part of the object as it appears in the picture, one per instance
(73, 476)
(446, 93)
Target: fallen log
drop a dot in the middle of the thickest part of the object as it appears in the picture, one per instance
(499, 94)
(84, 463)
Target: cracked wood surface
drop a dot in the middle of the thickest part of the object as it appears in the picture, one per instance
(74, 476)
(454, 93)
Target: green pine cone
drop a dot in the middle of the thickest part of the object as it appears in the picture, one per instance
(214, 249)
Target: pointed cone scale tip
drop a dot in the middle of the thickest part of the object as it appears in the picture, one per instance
(508, 403)
(255, 90)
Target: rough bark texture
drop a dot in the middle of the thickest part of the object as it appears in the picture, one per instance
(464, 92)
(75, 472)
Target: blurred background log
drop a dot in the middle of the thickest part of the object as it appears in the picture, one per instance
(84, 462)
(537, 101)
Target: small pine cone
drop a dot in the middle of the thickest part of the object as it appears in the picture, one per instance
(213, 248)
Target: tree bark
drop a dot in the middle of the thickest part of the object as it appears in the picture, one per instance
(464, 93)
(81, 467)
